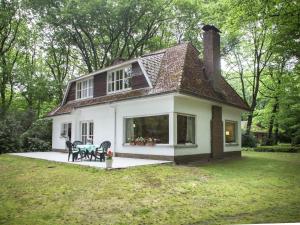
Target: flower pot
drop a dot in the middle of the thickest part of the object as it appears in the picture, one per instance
(132, 143)
(108, 163)
(150, 143)
(140, 143)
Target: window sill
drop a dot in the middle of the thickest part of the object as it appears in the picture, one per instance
(186, 146)
(231, 144)
(150, 146)
(78, 99)
(118, 92)
(163, 145)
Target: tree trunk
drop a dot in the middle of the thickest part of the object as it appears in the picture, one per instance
(271, 123)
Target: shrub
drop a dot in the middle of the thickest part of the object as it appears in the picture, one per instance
(248, 140)
(38, 136)
(10, 130)
(296, 140)
(268, 141)
(277, 148)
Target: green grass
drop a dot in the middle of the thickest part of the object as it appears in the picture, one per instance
(260, 187)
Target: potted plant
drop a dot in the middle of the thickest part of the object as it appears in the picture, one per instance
(140, 141)
(131, 141)
(150, 141)
(109, 159)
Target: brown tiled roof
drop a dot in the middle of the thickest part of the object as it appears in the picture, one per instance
(175, 69)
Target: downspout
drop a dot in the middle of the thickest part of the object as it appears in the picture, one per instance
(115, 129)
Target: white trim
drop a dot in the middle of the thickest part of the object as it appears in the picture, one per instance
(195, 134)
(141, 116)
(106, 69)
(236, 133)
(144, 72)
(114, 82)
(87, 88)
(138, 60)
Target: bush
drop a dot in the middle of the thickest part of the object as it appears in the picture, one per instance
(268, 141)
(10, 130)
(277, 148)
(38, 136)
(248, 140)
(296, 140)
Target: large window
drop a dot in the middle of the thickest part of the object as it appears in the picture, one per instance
(156, 127)
(185, 129)
(84, 89)
(87, 132)
(119, 80)
(66, 130)
(230, 132)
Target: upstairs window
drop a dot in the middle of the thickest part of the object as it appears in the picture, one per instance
(230, 132)
(84, 89)
(119, 80)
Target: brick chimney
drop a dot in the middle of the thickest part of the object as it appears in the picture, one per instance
(212, 59)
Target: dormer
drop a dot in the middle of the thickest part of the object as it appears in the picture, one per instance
(116, 79)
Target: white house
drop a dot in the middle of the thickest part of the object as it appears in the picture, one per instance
(170, 95)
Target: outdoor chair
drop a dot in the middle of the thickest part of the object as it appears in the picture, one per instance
(102, 150)
(71, 151)
(82, 154)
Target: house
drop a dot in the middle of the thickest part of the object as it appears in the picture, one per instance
(259, 132)
(170, 95)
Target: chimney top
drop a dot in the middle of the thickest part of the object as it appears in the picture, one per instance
(210, 27)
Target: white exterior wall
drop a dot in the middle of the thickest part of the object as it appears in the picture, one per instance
(101, 115)
(104, 124)
(232, 114)
(201, 109)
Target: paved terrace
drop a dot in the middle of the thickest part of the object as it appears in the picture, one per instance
(118, 162)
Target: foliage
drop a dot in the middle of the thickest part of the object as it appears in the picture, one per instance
(296, 140)
(109, 155)
(43, 44)
(260, 188)
(249, 140)
(10, 129)
(277, 148)
(38, 136)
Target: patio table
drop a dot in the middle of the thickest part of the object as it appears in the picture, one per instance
(88, 149)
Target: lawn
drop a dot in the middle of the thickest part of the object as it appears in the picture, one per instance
(260, 187)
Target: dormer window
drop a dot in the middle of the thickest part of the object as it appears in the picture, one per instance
(84, 89)
(119, 80)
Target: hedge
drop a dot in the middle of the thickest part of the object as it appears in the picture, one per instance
(276, 148)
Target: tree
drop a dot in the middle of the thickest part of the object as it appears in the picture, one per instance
(10, 24)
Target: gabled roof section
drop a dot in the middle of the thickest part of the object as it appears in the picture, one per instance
(151, 63)
(176, 69)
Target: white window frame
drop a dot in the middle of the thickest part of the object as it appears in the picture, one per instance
(236, 130)
(88, 89)
(88, 135)
(125, 141)
(112, 80)
(195, 132)
(64, 129)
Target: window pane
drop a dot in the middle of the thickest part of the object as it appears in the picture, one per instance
(185, 129)
(121, 74)
(230, 132)
(109, 87)
(118, 77)
(91, 129)
(156, 127)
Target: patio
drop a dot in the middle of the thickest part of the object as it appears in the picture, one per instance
(118, 162)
